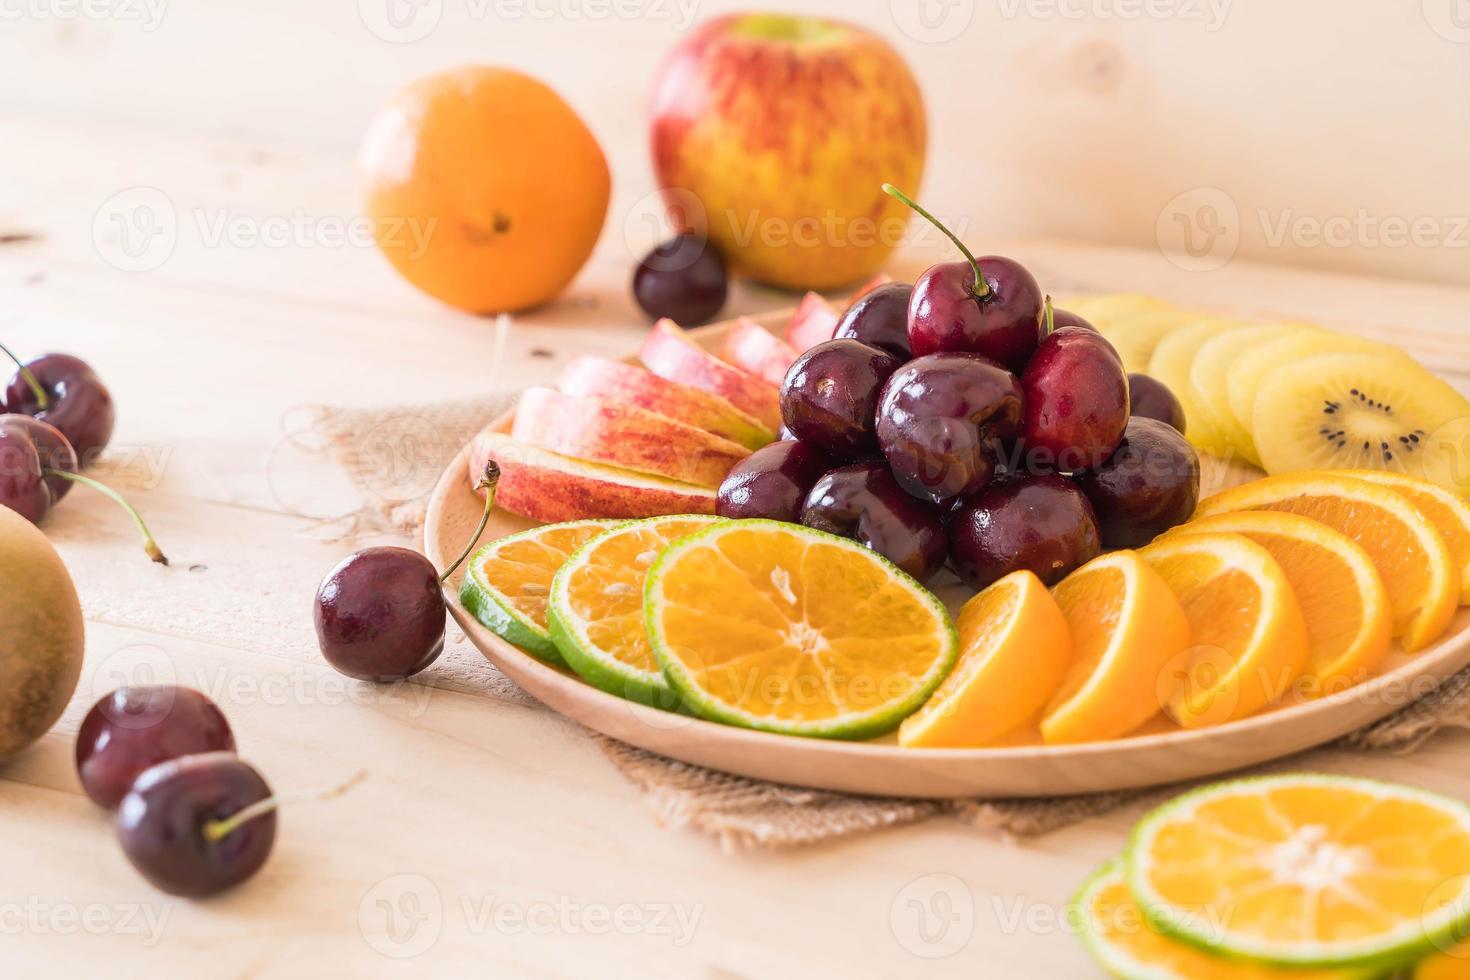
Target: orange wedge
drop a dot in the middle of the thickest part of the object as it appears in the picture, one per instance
(1014, 650)
(1449, 513)
(1126, 627)
(1249, 636)
(1411, 554)
(1342, 597)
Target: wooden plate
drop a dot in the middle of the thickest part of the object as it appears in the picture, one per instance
(880, 767)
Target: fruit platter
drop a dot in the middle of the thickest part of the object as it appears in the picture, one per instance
(663, 569)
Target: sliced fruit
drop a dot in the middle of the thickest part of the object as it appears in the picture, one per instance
(1250, 368)
(1103, 310)
(1449, 513)
(782, 628)
(1127, 627)
(1249, 638)
(550, 487)
(813, 323)
(1342, 597)
(1306, 870)
(1362, 411)
(1173, 360)
(1015, 647)
(669, 353)
(507, 583)
(1136, 336)
(751, 347)
(1119, 936)
(598, 377)
(1209, 379)
(595, 613)
(1410, 554)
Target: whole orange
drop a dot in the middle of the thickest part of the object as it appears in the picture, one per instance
(485, 189)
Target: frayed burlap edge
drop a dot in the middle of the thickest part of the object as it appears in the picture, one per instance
(415, 443)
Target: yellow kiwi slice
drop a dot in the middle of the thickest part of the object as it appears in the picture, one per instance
(1134, 337)
(1171, 362)
(1208, 377)
(1363, 411)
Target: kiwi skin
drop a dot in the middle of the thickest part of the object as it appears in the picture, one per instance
(41, 634)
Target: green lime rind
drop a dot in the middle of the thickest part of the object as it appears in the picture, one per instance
(1411, 941)
(854, 725)
(494, 610)
(597, 666)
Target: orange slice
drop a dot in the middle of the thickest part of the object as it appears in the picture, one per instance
(1449, 513)
(1249, 637)
(1412, 556)
(1342, 597)
(1127, 627)
(1014, 650)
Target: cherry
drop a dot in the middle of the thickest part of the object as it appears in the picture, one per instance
(197, 825)
(772, 482)
(830, 394)
(1150, 398)
(38, 465)
(941, 419)
(380, 613)
(64, 391)
(1076, 401)
(683, 279)
(1042, 523)
(1148, 486)
(880, 318)
(989, 306)
(864, 502)
(135, 728)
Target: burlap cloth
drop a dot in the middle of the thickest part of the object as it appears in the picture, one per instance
(392, 458)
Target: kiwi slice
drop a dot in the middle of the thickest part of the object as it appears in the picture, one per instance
(1363, 411)
(1208, 380)
(1251, 368)
(1171, 362)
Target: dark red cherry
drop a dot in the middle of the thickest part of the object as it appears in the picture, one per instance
(830, 394)
(864, 502)
(76, 401)
(380, 614)
(1150, 398)
(1076, 402)
(772, 482)
(1041, 523)
(683, 279)
(135, 728)
(880, 318)
(942, 419)
(1148, 486)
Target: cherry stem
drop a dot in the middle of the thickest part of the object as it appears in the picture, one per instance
(149, 545)
(218, 830)
(489, 480)
(981, 287)
(1051, 320)
(42, 401)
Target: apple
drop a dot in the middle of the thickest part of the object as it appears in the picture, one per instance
(813, 323)
(549, 487)
(604, 431)
(598, 377)
(751, 347)
(669, 353)
(772, 135)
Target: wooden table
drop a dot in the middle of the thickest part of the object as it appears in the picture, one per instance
(488, 838)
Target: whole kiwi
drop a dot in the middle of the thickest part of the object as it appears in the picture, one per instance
(41, 634)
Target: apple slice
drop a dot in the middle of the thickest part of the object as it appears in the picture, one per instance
(669, 353)
(751, 347)
(813, 323)
(546, 486)
(597, 377)
(604, 431)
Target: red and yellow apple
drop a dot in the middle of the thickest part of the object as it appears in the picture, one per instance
(781, 130)
(751, 347)
(669, 353)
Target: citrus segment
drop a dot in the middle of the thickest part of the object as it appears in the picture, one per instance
(1126, 627)
(1014, 650)
(595, 612)
(507, 582)
(1410, 553)
(1309, 870)
(1342, 597)
(782, 628)
(1446, 511)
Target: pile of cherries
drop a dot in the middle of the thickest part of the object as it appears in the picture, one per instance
(961, 420)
